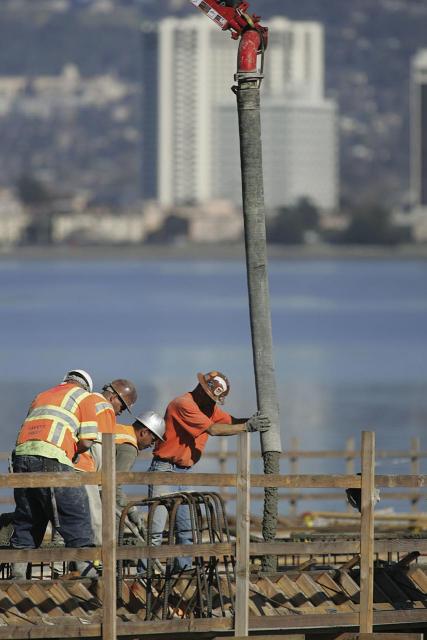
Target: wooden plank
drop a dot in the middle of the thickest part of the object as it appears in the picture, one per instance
(218, 549)
(66, 601)
(305, 621)
(243, 488)
(380, 636)
(321, 495)
(314, 593)
(23, 602)
(23, 481)
(165, 551)
(54, 554)
(43, 600)
(337, 620)
(56, 631)
(367, 533)
(10, 612)
(340, 599)
(272, 548)
(210, 480)
(392, 481)
(293, 594)
(257, 480)
(292, 636)
(109, 615)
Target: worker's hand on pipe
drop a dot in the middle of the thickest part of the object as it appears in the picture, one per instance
(258, 422)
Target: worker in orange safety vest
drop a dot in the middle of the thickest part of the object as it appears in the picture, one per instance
(61, 423)
(116, 397)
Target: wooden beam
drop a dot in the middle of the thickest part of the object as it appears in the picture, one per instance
(304, 481)
(367, 533)
(165, 551)
(34, 480)
(289, 636)
(257, 480)
(109, 615)
(53, 631)
(379, 636)
(55, 554)
(243, 515)
(128, 552)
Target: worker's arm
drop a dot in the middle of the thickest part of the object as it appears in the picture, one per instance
(126, 455)
(258, 422)
(84, 445)
(219, 429)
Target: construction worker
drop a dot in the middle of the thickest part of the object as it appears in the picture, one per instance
(190, 420)
(146, 430)
(61, 423)
(116, 397)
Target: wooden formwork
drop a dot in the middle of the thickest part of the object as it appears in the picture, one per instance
(273, 601)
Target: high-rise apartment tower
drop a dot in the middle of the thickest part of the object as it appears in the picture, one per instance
(198, 152)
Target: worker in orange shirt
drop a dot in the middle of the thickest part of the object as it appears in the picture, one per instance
(60, 424)
(190, 420)
(117, 396)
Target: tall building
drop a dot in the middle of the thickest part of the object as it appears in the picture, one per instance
(197, 118)
(419, 129)
(300, 151)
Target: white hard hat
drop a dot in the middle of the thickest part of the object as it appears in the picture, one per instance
(80, 376)
(153, 422)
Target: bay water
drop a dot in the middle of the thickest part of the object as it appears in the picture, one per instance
(350, 341)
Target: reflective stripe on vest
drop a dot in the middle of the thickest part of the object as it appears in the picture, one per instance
(125, 434)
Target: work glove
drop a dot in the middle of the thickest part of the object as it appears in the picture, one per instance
(258, 422)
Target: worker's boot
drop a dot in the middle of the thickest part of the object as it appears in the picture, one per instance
(86, 569)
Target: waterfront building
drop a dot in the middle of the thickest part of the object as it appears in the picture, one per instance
(198, 147)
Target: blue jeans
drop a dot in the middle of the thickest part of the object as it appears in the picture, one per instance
(183, 534)
(66, 507)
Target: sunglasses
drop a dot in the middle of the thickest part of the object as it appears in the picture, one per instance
(122, 402)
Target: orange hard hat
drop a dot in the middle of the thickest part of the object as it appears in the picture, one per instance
(215, 384)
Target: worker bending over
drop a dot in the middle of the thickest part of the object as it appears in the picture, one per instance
(147, 429)
(190, 420)
(60, 423)
(116, 397)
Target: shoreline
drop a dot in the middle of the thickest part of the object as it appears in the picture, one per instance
(208, 252)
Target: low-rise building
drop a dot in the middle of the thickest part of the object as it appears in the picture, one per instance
(13, 219)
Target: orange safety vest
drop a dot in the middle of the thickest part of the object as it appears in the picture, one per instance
(61, 416)
(125, 434)
(106, 424)
(105, 415)
(85, 462)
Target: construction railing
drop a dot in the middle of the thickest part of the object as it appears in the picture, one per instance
(241, 549)
(295, 461)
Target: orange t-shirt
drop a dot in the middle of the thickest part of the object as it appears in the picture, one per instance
(186, 431)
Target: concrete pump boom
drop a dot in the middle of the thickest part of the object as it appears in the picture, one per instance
(233, 15)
